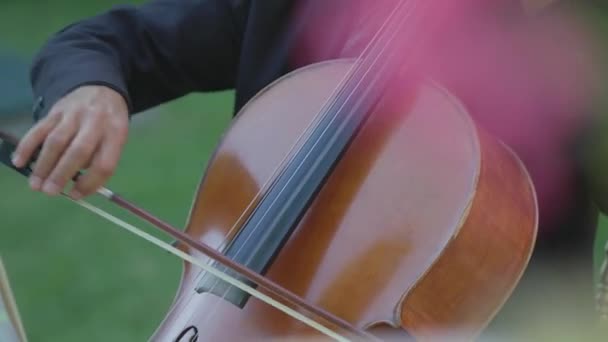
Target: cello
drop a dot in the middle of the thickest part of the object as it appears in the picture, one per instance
(368, 208)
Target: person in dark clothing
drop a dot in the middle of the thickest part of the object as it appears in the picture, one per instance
(91, 76)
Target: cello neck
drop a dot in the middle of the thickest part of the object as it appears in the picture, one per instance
(275, 217)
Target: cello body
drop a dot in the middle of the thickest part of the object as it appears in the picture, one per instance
(424, 226)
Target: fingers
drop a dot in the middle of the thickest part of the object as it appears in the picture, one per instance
(88, 127)
(102, 167)
(33, 139)
(54, 146)
(75, 158)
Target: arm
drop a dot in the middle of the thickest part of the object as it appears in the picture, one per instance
(149, 54)
(91, 75)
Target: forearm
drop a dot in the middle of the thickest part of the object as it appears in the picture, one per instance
(150, 54)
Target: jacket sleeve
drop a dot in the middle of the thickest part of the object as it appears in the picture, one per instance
(151, 53)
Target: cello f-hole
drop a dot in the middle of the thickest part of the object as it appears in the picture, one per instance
(189, 334)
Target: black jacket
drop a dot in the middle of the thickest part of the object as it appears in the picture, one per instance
(165, 49)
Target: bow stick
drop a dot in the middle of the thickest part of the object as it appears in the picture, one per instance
(602, 294)
(9, 144)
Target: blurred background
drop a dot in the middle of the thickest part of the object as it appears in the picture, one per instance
(75, 276)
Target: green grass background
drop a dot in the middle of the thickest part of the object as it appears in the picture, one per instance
(77, 277)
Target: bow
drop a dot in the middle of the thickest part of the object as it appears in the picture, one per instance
(11, 327)
(602, 292)
(7, 147)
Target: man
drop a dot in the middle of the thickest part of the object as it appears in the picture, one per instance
(94, 74)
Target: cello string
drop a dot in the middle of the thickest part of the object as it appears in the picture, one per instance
(333, 119)
(344, 103)
(270, 180)
(318, 117)
(217, 273)
(387, 43)
(368, 47)
(332, 99)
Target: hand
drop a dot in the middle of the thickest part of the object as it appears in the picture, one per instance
(86, 129)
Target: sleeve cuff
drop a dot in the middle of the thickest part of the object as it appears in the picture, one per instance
(59, 86)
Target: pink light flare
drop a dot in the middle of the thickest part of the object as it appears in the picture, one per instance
(528, 79)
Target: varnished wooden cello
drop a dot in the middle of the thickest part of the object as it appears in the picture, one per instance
(379, 206)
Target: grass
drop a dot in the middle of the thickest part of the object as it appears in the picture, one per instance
(75, 276)
(74, 273)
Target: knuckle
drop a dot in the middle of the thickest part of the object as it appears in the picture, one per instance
(76, 112)
(59, 179)
(92, 107)
(56, 140)
(118, 127)
(105, 169)
(86, 190)
(54, 114)
(87, 187)
(94, 111)
(55, 176)
(82, 150)
(26, 145)
(34, 137)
